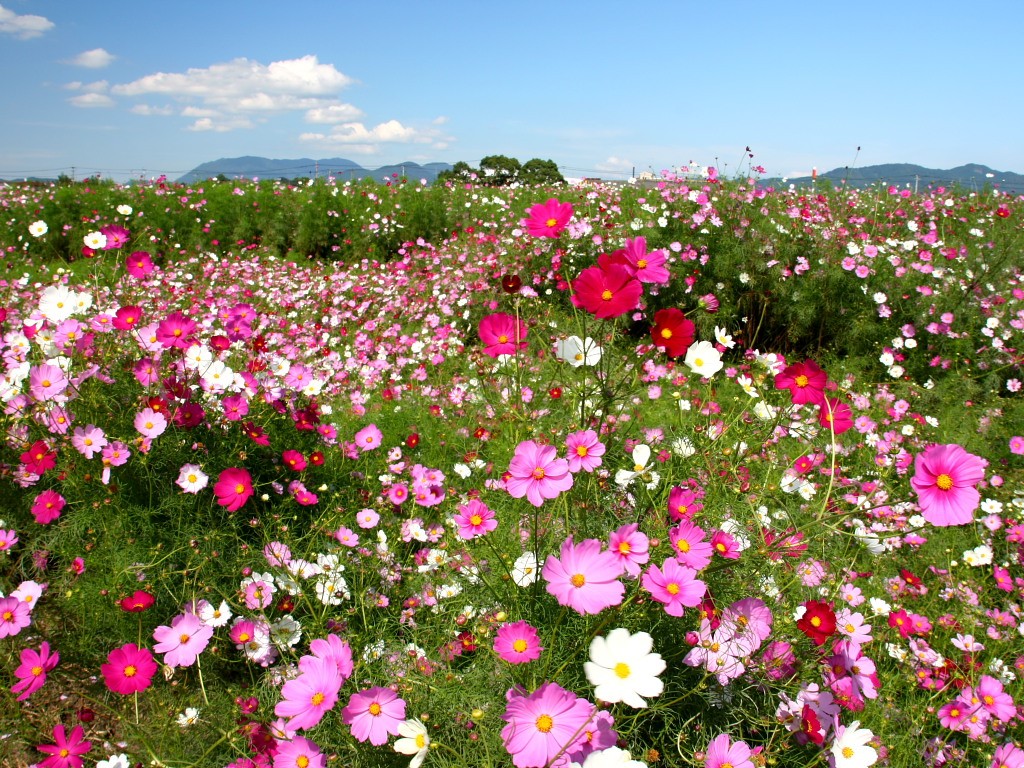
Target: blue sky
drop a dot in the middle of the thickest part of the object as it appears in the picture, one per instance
(141, 88)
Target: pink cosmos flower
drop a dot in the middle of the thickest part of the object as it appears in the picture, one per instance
(674, 585)
(548, 219)
(990, 695)
(368, 438)
(544, 725)
(502, 334)
(630, 548)
(117, 236)
(690, 547)
(139, 264)
(294, 460)
(332, 648)
(1017, 445)
(374, 714)
(584, 450)
(398, 493)
(183, 641)
(47, 506)
(517, 643)
(308, 697)
(683, 503)
(65, 752)
(584, 578)
(298, 752)
(31, 674)
(46, 382)
(129, 669)
(150, 423)
(1009, 755)
(606, 292)
(835, 415)
(645, 267)
(14, 615)
(723, 752)
(7, 539)
(537, 474)
(127, 318)
(944, 479)
(233, 488)
(475, 519)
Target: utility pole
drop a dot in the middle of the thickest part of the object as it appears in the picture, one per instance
(917, 178)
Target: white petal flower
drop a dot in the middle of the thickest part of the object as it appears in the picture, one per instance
(414, 741)
(623, 668)
(703, 359)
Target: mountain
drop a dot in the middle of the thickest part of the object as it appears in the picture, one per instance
(973, 176)
(306, 168)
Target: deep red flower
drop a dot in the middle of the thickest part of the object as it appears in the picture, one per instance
(39, 458)
(136, 602)
(672, 331)
(818, 621)
(835, 415)
(805, 382)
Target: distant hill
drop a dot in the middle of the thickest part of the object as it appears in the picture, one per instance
(972, 176)
(307, 168)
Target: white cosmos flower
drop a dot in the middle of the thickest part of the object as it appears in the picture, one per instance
(198, 357)
(191, 478)
(747, 385)
(613, 757)
(189, 717)
(724, 338)
(215, 616)
(524, 569)
(38, 228)
(641, 455)
(703, 359)
(576, 351)
(414, 741)
(124, 210)
(57, 303)
(95, 240)
(850, 749)
(623, 668)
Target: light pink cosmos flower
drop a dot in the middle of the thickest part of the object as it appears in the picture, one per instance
(674, 585)
(723, 751)
(88, 440)
(14, 616)
(584, 578)
(944, 478)
(537, 473)
(307, 698)
(544, 726)
(374, 714)
(183, 641)
(517, 643)
(630, 547)
(191, 478)
(368, 438)
(150, 423)
(46, 382)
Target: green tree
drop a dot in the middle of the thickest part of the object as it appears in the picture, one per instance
(499, 170)
(461, 171)
(537, 171)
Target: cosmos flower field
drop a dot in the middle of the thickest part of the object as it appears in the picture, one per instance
(702, 473)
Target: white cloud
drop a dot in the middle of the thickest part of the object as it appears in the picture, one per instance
(439, 120)
(616, 164)
(149, 109)
(220, 125)
(356, 137)
(25, 27)
(334, 113)
(97, 58)
(91, 100)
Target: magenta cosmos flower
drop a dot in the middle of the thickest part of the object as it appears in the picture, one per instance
(537, 474)
(47, 507)
(15, 615)
(944, 479)
(607, 291)
(31, 674)
(584, 450)
(645, 267)
(299, 752)
(183, 641)
(233, 488)
(374, 714)
(805, 382)
(475, 519)
(544, 726)
(584, 578)
(517, 643)
(129, 669)
(548, 219)
(502, 334)
(65, 752)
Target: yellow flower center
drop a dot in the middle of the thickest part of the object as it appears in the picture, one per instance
(130, 670)
(374, 709)
(582, 450)
(520, 645)
(184, 638)
(37, 671)
(545, 723)
(622, 670)
(848, 752)
(538, 473)
(815, 622)
(578, 580)
(666, 333)
(944, 481)
(239, 488)
(421, 741)
(476, 520)
(683, 545)
(551, 222)
(801, 380)
(672, 589)
(503, 339)
(606, 295)
(317, 699)
(624, 548)
(302, 761)
(641, 263)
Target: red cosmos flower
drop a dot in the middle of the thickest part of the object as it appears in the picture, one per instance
(255, 433)
(233, 488)
(805, 382)
(818, 621)
(294, 460)
(548, 219)
(39, 458)
(511, 283)
(608, 291)
(672, 331)
(502, 334)
(137, 602)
